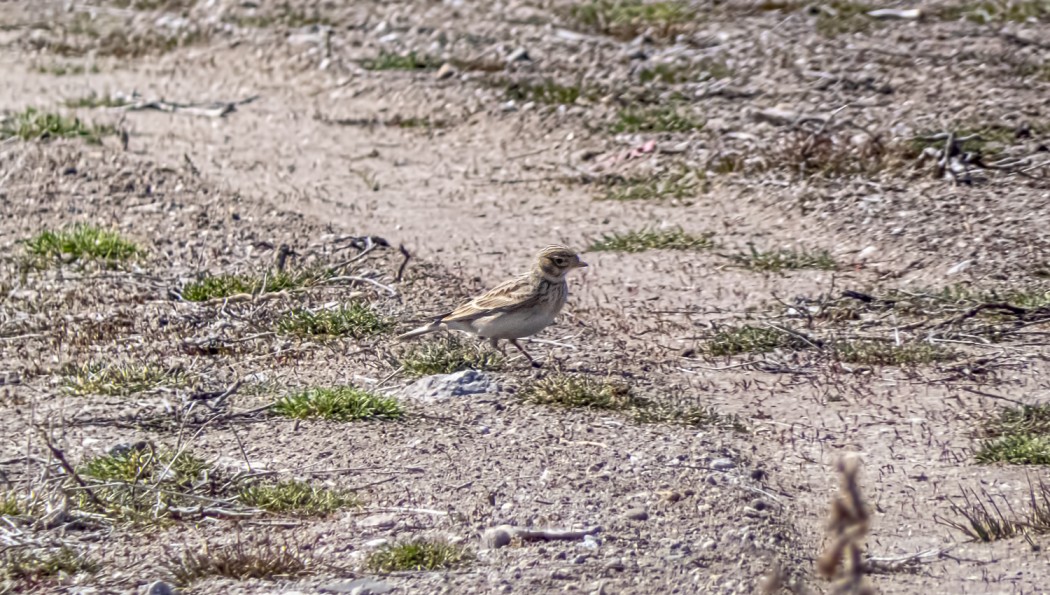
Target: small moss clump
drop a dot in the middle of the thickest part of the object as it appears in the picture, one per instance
(391, 61)
(655, 119)
(417, 555)
(649, 239)
(210, 287)
(340, 403)
(120, 379)
(357, 320)
(296, 498)
(546, 92)
(81, 242)
(626, 19)
(447, 357)
(752, 339)
(782, 260)
(31, 124)
(887, 353)
(1016, 449)
(581, 391)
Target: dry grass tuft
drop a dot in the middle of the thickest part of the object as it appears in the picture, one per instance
(980, 518)
(29, 570)
(255, 558)
(842, 561)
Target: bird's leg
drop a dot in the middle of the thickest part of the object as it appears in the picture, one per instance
(535, 364)
(495, 345)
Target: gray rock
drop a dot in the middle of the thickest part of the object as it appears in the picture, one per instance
(360, 586)
(378, 521)
(497, 537)
(722, 464)
(637, 514)
(442, 387)
(161, 588)
(519, 54)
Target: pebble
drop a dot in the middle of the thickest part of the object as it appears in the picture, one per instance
(160, 588)
(722, 464)
(637, 514)
(497, 537)
(519, 55)
(378, 521)
(445, 71)
(360, 586)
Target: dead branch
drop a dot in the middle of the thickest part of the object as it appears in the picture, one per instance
(61, 456)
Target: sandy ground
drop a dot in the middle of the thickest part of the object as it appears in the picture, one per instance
(319, 156)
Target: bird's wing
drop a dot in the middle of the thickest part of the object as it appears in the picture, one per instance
(512, 294)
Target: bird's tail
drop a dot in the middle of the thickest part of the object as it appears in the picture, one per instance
(426, 328)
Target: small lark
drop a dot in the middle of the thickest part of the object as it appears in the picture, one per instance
(517, 308)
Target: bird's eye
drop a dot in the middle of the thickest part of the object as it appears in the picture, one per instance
(559, 261)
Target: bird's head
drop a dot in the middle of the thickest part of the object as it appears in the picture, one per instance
(556, 261)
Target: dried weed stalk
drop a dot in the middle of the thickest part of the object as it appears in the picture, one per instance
(842, 561)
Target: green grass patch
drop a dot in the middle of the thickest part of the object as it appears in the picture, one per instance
(651, 239)
(448, 356)
(9, 505)
(92, 101)
(417, 555)
(357, 320)
(143, 463)
(655, 119)
(165, 5)
(340, 403)
(786, 260)
(392, 61)
(67, 69)
(546, 92)
(27, 569)
(255, 558)
(81, 242)
(680, 184)
(675, 73)
(1029, 419)
(888, 353)
(210, 287)
(573, 391)
(739, 340)
(142, 484)
(626, 19)
(296, 498)
(1016, 449)
(34, 125)
(120, 379)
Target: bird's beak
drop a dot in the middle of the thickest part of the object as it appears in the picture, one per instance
(580, 264)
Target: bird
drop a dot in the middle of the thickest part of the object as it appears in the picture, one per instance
(517, 308)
